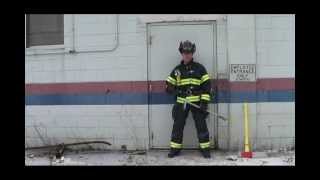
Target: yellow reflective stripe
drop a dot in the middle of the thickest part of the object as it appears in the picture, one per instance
(205, 97)
(205, 145)
(189, 81)
(204, 78)
(192, 80)
(180, 100)
(175, 145)
(171, 80)
(189, 98)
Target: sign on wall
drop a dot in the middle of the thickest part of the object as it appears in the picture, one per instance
(242, 72)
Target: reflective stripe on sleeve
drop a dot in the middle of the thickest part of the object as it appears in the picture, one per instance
(205, 97)
(204, 78)
(171, 80)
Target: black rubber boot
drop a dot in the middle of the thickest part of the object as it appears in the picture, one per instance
(174, 152)
(205, 153)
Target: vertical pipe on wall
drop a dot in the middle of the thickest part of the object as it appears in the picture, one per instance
(25, 30)
(73, 33)
(256, 61)
(216, 78)
(227, 55)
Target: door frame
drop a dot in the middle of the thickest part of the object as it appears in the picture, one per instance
(214, 127)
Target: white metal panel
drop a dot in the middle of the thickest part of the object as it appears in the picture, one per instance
(163, 57)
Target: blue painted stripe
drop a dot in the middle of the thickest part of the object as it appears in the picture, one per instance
(155, 98)
(87, 99)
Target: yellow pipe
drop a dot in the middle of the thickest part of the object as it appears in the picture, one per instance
(246, 128)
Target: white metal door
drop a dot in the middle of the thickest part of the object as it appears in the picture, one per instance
(163, 56)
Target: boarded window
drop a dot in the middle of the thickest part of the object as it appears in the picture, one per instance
(44, 29)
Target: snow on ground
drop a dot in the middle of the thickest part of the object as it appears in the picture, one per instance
(159, 157)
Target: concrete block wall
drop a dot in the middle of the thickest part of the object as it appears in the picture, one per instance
(128, 60)
(223, 127)
(275, 39)
(118, 124)
(241, 50)
(275, 45)
(265, 40)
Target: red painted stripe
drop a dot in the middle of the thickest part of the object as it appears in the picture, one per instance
(87, 87)
(276, 84)
(157, 86)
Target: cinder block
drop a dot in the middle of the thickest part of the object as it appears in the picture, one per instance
(276, 108)
(240, 21)
(262, 59)
(272, 128)
(128, 26)
(72, 63)
(223, 132)
(282, 22)
(36, 65)
(263, 21)
(279, 54)
(130, 132)
(276, 71)
(94, 24)
(130, 38)
(223, 144)
(273, 35)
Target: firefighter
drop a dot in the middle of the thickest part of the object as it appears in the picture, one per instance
(189, 80)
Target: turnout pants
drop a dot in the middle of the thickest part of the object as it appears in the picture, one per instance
(179, 115)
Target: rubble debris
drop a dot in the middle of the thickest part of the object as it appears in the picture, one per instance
(232, 158)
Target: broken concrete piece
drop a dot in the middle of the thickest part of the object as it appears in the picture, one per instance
(232, 158)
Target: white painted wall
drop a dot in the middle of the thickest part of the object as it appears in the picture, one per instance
(127, 62)
(117, 124)
(121, 125)
(275, 46)
(268, 40)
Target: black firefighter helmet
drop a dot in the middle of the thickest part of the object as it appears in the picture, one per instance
(187, 46)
